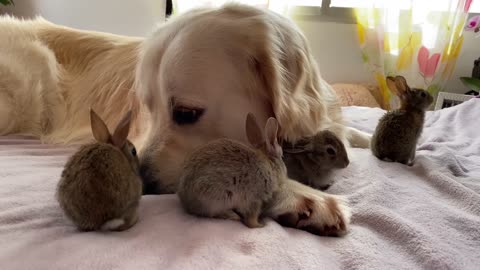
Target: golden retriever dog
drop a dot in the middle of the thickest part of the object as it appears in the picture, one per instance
(192, 81)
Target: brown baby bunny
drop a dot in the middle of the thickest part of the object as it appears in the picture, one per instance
(228, 179)
(100, 187)
(396, 135)
(311, 159)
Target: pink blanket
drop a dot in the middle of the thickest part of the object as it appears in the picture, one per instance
(426, 216)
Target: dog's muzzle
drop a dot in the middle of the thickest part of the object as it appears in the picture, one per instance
(150, 183)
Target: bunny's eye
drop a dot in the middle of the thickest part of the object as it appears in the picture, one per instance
(422, 94)
(331, 151)
(134, 151)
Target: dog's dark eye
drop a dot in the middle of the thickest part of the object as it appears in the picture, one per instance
(186, 116)
(134, 151)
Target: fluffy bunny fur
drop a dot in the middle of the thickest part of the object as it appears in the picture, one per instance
(226, 177)
(50, 74)
(100, 187)
(311, 159)
(396, 135)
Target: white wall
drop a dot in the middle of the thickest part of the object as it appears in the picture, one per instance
(334, 45)
(126, 17)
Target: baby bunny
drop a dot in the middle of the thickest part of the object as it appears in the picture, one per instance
(100, 187)
(228, 179)
(395, 137)
(311, 159)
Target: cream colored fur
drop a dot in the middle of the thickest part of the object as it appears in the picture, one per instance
(50, 75)
(227, 61)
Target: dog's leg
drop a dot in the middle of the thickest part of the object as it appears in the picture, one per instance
(29, 99)
(43, 70)
(357, 138)
(19, 106)
(8, 81)
(350, 136)
(299, 206)
(7, 122)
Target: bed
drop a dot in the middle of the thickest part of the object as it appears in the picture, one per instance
(421, 217)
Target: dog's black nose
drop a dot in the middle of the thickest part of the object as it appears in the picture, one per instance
(150, 185)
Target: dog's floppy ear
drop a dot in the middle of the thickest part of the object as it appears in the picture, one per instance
(254, 133)
(150, 57)
(148, 67)
(290, 77)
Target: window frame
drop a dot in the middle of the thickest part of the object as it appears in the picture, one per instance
(326, 13)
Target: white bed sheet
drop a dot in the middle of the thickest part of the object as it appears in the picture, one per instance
(421, 217)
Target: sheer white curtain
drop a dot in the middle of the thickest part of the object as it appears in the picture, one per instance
(417, 39)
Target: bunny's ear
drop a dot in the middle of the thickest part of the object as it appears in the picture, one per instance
(401, 84)
(119, 137)
(398, 85)
(392, 85)
(254, 133)
(295, 150)
(99, 129)
(271, 131)
(299, 147)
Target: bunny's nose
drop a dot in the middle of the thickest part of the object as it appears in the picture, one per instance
(345, 163)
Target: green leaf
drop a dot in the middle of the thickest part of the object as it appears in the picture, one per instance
(364, 57)
(434, 89)
(471, 83)
(7, 2)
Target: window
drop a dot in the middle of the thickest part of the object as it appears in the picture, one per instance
(185, 5)
(439, 5)
(325, 10)
(475, 7)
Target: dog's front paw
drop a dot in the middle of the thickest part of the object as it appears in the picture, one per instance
(329, 217)
(325, 216)
(299, 206)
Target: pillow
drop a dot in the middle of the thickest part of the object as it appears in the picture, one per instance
(354, 95)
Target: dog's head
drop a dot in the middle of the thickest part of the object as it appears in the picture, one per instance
(201, 73)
